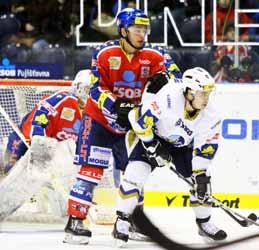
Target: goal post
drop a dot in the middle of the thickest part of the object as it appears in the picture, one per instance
(17, 98)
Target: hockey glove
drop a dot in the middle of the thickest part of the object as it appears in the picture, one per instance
(157, 81)
(157, 154)
(122, 109)
(201, 186)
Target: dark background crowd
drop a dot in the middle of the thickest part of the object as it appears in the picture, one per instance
(43, 31)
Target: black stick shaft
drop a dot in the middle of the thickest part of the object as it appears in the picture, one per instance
(244, 221)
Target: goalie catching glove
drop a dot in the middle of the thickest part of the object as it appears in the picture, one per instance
(157, 154)
(122, 109)
(201, 186)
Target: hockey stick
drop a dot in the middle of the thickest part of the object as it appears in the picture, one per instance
(243, 221)
(14, 126)
(148, 228)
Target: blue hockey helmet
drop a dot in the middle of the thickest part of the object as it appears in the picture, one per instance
(131, 16)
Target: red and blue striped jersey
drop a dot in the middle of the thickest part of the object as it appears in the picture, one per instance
(122, 76)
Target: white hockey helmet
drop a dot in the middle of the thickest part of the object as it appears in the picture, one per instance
(198, 79)
(83, 81)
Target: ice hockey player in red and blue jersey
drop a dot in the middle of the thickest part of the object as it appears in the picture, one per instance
(123, 67)
(57, 116)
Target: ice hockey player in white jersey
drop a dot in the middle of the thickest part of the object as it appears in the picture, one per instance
(175, 123)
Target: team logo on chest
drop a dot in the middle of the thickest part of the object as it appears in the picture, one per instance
(114, 62)
(181, 124)
(176, 140)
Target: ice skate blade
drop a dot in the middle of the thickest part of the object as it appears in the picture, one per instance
(211, 241)
(119, 243)
(138, 237)
(76, 239)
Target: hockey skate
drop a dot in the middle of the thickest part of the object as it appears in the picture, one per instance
(136, 234)
(209, 230)
(76, 233)
(121, 231)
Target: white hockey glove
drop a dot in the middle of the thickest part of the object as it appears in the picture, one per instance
(201, 186)
(157, 154)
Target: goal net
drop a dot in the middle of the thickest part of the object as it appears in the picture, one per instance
(17, 98)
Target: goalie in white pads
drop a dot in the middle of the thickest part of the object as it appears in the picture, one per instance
(50, 130)
(176, 123)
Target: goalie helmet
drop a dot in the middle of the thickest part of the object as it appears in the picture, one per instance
(83, 81)
(131, 16)
(198, 79)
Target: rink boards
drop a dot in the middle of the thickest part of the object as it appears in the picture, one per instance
(235, 169)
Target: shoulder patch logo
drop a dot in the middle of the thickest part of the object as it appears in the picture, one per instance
(144, 72)
(42, 119)
(114, 62)
(68, 114)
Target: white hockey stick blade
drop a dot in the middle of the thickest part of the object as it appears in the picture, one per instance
(146, 226)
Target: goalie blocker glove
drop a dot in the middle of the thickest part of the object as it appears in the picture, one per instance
(157, 154)
(122, 109)
(201, 186)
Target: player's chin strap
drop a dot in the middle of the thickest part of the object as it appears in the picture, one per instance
(240, 219)
(148, 228)
(130, 43)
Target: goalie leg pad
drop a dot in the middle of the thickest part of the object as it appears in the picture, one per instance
(59, 177)
(17, 187)
(63, 173)
(29, 174)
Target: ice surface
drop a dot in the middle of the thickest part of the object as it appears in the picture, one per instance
(177, 223)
